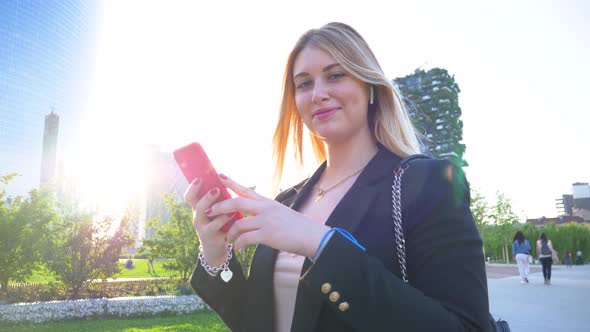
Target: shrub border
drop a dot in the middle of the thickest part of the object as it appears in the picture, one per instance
(40, 312)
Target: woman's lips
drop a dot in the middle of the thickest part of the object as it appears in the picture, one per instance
(324, 113)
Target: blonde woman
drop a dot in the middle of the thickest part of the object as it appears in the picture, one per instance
(326, 258)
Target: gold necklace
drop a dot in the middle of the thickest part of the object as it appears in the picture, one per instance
(321, 192)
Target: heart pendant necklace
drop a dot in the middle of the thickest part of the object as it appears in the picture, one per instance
(226, 275)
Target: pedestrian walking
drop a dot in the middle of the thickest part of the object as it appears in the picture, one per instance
(545, 253)
(568, 259)
(521, 250)
(579, 260)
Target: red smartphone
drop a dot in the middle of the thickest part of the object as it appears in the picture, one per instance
(194, 163)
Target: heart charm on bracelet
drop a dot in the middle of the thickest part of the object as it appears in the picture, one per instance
(226, 275)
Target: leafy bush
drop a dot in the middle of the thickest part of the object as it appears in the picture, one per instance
(571, 236)
(145, 306)
(58, 291)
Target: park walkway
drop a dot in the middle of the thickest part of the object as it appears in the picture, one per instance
(563, 306)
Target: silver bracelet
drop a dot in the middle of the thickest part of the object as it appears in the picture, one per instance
(226, 273)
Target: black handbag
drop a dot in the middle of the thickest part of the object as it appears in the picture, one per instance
(499, 325)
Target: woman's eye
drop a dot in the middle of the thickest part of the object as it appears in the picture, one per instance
(335, 76)
(303, 84)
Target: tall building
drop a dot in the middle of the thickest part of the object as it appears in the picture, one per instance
(581, 195)
(49, 157)
(565, 205)
(47, 52)
(576, 205)
(162, 177)
(432, 99)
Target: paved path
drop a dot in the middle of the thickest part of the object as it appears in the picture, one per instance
(563, 306)
(495, 271)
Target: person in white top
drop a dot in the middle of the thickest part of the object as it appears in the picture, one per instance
(545, 253)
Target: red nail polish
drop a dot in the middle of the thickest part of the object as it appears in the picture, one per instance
(223, 176)
(208, 211)
(214, 191)
(231, 215)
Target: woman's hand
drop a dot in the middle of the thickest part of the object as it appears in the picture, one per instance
(208, 228)
(268, 222)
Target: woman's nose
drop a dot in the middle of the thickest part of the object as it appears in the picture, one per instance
(320, 93)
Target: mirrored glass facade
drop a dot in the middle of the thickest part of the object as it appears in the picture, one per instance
(47, 51)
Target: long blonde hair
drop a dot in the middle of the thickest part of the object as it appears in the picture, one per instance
(388, 118)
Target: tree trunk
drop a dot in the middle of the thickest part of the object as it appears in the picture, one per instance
(4, 286)
(75, 292)
(505, 254)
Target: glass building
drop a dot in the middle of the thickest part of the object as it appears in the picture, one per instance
(46, 59)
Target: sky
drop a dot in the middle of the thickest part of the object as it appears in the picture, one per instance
(46, 51)
(172, 72)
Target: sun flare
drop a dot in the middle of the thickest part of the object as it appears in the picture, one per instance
(109, 178)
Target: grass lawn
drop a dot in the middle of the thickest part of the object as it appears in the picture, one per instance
(206, 321)
(140, 271)
(39, 276)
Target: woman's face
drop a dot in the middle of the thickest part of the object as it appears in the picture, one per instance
(332, 102)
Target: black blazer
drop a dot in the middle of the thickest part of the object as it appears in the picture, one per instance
(448, 285)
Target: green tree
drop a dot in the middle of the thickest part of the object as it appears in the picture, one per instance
(503, 217)
(81, 249)
(23, 223)
(531, 233)
(498, 241)
(480, 212)
(479, 209)
(501, 212)
(571, 237)
(175, 239)
(565, 237)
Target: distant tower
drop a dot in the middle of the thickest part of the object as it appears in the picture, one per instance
(581, 195)
(49, 158)
(162, 176)
(432, 98)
